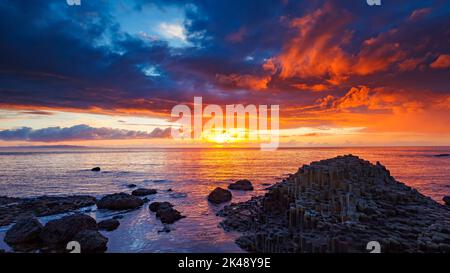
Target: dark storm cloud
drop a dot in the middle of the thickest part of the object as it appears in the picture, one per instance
(61, 57)
(78, 132)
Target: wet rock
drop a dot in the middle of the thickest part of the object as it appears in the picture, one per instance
(119, 201)
(91, 241)
(242, 185)
(219, 195)
(143, 192)
(108, 225)
(131, 186)
(145, 200)
(339, 205)
(61, 231)
(165, 212)
(168, 215)
(155, 206)
(12, 209)
(446, 200)
(25, 231)
(96, 169)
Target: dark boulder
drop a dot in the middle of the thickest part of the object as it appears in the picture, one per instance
(108, 225)
(165, 212)
(143, 192)
(242, 185)
(91, 241)
(119, 201)
(446, 200)
(155, 206)
(61, 231)
(131, 186)
(25, 231)
(168, 215)
(219, 195)
(96, 169)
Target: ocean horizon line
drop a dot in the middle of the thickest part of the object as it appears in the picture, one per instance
(214, 147)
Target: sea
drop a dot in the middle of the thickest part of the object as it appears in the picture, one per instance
(184, 177)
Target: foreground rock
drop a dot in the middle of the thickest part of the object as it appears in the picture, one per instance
(24, 233)
(119, 201)
(446, 200)
(219, 195)
(91, 241)
(165, 212)
(108, 225)
(143, 192)
(339, 205)
(12, 209)
(96, 169)
(155, 206)
(61, 231)
(29, 235)
(242, 185)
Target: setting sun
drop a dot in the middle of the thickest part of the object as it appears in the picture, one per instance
(223, 136)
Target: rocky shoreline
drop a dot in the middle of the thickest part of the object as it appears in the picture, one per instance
(27, 234)
(333, 205)
(11, 208)
(340, 205)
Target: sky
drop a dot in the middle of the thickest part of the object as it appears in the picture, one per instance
(109, 72)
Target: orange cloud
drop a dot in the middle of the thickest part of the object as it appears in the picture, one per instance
(378, 99)
(410, 64)
(443, 61)
(244, 81)
(315, 51)
(379, 110)
(311, 87)
(377, 54)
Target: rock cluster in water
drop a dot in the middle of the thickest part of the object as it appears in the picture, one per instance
(119, 201)
(12, 208)
(28, 234)
(143, 192)
(165, 212)
(339, 205)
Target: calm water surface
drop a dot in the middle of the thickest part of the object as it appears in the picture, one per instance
(191, 174)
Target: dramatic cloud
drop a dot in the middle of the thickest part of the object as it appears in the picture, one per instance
(316, 51)
(143, 57)
(443, 61)
(78, 132)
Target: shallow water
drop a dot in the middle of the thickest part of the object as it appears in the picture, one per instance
(191, 174)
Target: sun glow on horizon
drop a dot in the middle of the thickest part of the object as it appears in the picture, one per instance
(224, 136)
